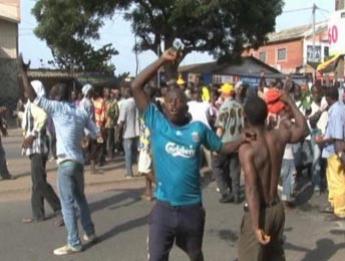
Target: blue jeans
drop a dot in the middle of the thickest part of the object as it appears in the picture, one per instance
(131, 152)
(287, 174)
(71, 187)
(316, 167)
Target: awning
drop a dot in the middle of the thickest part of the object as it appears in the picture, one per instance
(329, 65)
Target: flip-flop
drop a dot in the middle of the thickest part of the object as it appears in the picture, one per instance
(27, 220)
(30, 220)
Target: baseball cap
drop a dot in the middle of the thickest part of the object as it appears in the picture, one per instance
(226, 88)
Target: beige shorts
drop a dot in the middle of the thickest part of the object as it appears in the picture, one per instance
(144, 162)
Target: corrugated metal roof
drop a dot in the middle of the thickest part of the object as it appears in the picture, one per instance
(248, 66)
(297, 32)
(37, 73)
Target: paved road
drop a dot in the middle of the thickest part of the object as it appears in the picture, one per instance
(121, 222)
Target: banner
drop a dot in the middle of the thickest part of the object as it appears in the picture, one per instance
(336, 33)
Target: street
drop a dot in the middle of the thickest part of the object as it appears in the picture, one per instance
(120, 217)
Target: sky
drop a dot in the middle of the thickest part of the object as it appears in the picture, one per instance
(119, 33)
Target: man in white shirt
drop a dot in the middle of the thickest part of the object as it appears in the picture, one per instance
(200, 111)
(129, 124)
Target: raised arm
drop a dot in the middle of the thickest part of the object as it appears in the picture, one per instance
(141, 98)
(298, 130)
(23, 73)
(246, 157)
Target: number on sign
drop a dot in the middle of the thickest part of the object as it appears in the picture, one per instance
(333, 34)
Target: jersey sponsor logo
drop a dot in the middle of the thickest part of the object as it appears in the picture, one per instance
(179, 151)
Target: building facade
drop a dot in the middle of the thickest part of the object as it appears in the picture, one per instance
(9, 20)
(291, 50)
(339, 5)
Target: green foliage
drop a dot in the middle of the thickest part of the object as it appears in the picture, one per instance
(68, 26)
(219, 27)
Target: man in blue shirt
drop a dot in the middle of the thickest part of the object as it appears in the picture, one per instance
(333, 151)
(178, 214)
(69, 122)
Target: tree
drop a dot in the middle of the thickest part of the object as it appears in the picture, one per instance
(68, 27)
(219, 27)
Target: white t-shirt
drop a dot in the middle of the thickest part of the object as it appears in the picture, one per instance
(129, 115)
(199, 111)
(288, 152)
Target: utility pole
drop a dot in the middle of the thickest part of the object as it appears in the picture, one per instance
(314, 53)
(136, 56)
(314, 11)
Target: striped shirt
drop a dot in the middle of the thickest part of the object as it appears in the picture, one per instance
(34, 124)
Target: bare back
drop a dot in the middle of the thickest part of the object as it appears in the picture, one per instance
(267, 150)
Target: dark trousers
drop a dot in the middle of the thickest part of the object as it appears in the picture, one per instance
(227, 171)
(52, 145)
(3, 165)
(41, 189)
(183, 225)
(111, 142)
(271, 220)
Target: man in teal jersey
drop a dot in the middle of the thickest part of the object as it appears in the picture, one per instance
(178, 214)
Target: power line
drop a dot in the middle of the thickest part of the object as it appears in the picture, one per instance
(324, 10)
(297, 10)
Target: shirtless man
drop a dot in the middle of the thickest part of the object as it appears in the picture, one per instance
(261, 159)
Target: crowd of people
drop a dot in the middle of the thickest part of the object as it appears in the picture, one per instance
(276, 136)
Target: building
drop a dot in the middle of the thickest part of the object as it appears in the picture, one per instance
(291, 50)
(50, 77)
(9, 20)
(248, 70)
(339, 5)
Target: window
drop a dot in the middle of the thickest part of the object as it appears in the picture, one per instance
(262, 56)
(281, 54)
(326, 52)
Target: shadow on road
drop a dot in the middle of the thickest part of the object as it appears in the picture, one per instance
(325, 249)
(141, 221)
(111, 202)
(289, 246)
(28, 173)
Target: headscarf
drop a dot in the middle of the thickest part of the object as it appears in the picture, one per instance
(39, 88)
(86, 89)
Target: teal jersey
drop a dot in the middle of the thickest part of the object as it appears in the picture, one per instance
(177, 156)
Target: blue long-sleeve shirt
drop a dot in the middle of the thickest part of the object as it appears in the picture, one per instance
(69, 121)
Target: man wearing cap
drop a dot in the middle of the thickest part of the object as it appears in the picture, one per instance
(35, 146)
(229, 125)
